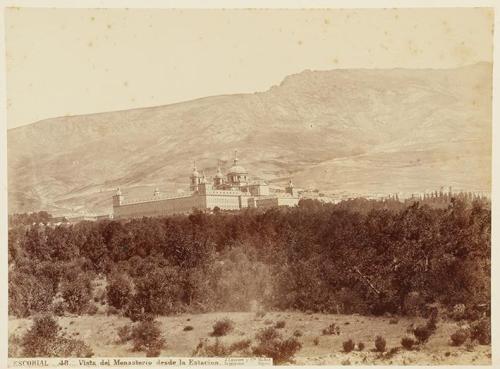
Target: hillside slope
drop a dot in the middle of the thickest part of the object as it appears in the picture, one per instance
(353, 131)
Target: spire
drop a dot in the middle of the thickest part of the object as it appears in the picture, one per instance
(118, 191)
(235, 157)
(157, 192)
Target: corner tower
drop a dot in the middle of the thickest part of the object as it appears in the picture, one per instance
(195, 179)
(118, 198)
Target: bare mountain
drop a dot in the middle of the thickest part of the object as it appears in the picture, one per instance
(357, 131)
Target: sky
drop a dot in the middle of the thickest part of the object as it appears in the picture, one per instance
(79, 61)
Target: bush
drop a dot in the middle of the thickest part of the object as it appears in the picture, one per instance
(422, 333)
(271, 344)
(77, 294)
(408, 343)
(146, 336)
(43, 340)
(393, 321)
(380, 344)
(432, 323)
(28, 294)
(361, 346)
(348, 346)
(459, 337)
(14, 346)
(481, 331)
(217, 349)
(59, 307)
(188, 328)
(280, 324)
(124, 334)
(316, 341)
(119, 291)
(331, 329)
(222, 327)
(240, 345)
(297, 333)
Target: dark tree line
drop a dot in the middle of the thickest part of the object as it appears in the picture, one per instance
(358, 256)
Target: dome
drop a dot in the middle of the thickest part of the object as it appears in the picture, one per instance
(238, 169)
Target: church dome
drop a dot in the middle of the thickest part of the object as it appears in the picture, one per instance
(237, 169)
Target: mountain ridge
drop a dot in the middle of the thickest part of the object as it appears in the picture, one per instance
(310, 120)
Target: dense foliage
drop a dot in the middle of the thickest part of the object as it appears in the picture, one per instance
(358, 256)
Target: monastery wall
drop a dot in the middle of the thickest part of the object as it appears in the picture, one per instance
(178, 205)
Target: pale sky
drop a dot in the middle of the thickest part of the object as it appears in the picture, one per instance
(79, 61)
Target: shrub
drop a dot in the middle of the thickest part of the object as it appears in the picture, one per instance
(280, 324)
(297, 333)
(240, 345)
(14, 346)
(68, 347)
(124, 334)
(459, 337)
(43, 340)
(59, 307)
(119, 291)
(271, 344)
(432, 322)
(408, 342)
(380, 344)
(348, 346)
(28, 294)
(481, 331)
(393, 321)
(77, 294)
(222, 327)
(188, 328)
(361, 346)
(267, 334)
(268, 321)
(422, 333)
(217, 349)
(331, 329)
(393, 351)
(316, 341)
(146, 336)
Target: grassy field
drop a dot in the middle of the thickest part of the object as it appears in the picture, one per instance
(100, 332)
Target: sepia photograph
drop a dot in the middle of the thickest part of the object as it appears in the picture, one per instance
(247, 186)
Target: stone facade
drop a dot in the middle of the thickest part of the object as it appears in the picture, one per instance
(234, 191)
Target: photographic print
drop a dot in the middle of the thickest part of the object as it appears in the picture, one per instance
(248, 186)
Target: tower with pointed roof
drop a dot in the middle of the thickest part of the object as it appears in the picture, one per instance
(219, 177)
(195, 178)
